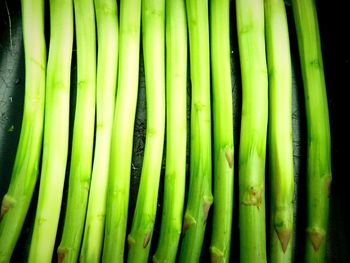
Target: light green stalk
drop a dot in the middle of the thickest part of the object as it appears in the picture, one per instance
(251, 41)
(56, 130)
(199, 197)
(175, 171)
(16, 201)
(123, 130)
(107, 61)
(319, 174)
(153, 30)
(83, 134)
(223, 130)
(280, 131)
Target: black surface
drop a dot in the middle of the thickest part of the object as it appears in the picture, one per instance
(334, 21)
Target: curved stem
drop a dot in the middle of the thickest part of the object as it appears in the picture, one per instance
(55, 131)
(25, 171)
(123, 130)
(83, 133)
(153, 30)
(280, 131)
(319, 174)
(199, 197)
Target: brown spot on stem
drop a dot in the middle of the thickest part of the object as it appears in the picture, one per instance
(131, 241)
(146, 239)
(7, 203)
(216, 255)
(61, 254)
(317, 237)
(229, 156)
(206, 207)
(284, 237)
(253, 196)
(188, 222)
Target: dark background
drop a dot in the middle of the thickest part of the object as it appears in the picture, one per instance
(334, 21)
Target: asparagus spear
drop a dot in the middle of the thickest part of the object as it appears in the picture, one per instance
(153, 23)
(199, 197)
(280, 131)
(319, 174)
(175, 172)
(55, 131)
(16, 201)
(123, 128)
(223, 130)
(83, 134)
(251, 41)
(107, 61)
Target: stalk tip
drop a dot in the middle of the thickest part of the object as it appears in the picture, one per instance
(317, 237)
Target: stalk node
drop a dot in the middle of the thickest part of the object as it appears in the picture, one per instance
(131, 241)
(61, 253)
(284, 236)
(253, 197)
(216, 254)
(7, 203)
(146, 239)
(207, 202)
(317, 236)
(229, 156)
(188, 222)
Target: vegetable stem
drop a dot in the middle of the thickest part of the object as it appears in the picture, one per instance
(251, 41)
(280, 131)
(55, 131)
(176, 92)
(319, 174)
(25, 171)
(83, 133)
(199, 197)
(107, 61)
(123, 128)
(153, 30)
(223, 130)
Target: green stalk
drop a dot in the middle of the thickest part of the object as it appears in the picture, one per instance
(107, 62)
(280, 131)
(83, 134)
(319, 174)
(55, 131)
(176, 94)
(153, 23)
(16, 201)
(199, 197)
(123, 129)
(251, 41)
(223, 130)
